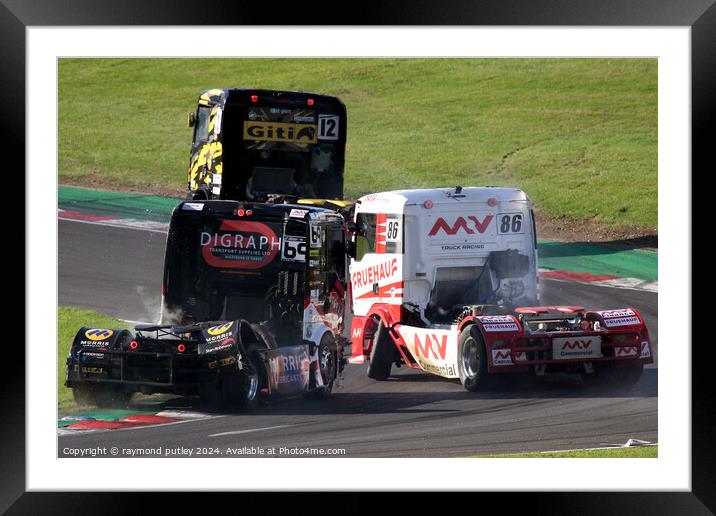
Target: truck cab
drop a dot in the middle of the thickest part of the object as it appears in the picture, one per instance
(259, 145)
(432, 252)
(281, 264)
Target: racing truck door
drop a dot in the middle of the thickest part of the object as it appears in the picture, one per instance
(205, 156)
(326, 280)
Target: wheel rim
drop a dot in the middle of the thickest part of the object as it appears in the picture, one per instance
(327, 363)
(471, 359)
(253, 387)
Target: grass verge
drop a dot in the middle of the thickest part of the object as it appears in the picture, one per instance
(69, 320)
(632, 452)
(579, 135)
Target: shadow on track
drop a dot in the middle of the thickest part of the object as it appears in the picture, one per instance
(445, 398)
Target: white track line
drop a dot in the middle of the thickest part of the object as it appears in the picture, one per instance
(110, 223)
(237, 432)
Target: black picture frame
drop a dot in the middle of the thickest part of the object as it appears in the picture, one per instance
(699, 15)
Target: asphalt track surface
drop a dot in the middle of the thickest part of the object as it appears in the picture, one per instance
(118, 271)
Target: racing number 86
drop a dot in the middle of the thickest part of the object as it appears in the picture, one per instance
(511, 223)
(391, 235)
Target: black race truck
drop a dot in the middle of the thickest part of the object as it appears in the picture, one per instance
(253, 306)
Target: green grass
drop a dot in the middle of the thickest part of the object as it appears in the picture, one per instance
(69, 321)
(579, 135)
(637, 452)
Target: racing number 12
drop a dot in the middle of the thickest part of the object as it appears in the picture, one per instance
(327, 127)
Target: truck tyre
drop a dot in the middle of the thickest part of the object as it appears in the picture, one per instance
(471, 358)
(382, 354)
(328, 363)
(240, 388)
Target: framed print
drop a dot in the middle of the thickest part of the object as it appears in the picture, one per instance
(598, 114)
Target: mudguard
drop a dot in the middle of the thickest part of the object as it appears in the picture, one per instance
(97, 340)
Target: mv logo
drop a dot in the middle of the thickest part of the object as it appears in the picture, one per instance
(501, 355)
(98, 334)
(577, 344)
(357, 332)
(431, 346)
(461, 224)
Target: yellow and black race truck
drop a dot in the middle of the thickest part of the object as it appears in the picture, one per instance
(259, 145)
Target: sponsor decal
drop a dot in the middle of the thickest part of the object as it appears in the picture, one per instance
(431, 346)
(295, 212)
(645, 350)
(521, 357)
(498, 323)
(576, 347)
(316, 238)
(240, 244)
(194, 206)
(220, 329)
(475, 225)
(98, 334)
(501, 357)
(615, 318)
(279, 132)
(622, 321)
(93, 370)
(357, 332)
(462, 247)
(288, 369)
(217, 347)
(375, 273)
(434, 351)
(608, 314)
(625, 351)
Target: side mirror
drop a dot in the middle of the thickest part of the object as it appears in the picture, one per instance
(191, 119)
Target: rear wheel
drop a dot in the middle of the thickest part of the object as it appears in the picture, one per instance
(472, 359)
(382, 354)
(240, 388)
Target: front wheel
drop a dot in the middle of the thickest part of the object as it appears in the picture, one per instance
(382, 354)
(471, 358)
(328, 365)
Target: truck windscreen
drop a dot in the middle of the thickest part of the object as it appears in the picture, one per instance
(282, 150)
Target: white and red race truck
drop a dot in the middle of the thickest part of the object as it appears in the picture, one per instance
(445, 280)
